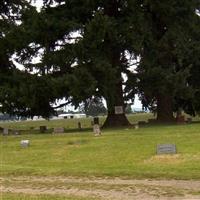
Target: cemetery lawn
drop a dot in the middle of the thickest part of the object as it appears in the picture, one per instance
(124, 153)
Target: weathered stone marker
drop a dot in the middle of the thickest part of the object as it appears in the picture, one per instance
(15, 132)
(59, 130)
(79, 126)
(5, 131)
(43, 129)
(119, 110)
(166, 149)
(136, 126)
(96, 130)
(24, 143)
(189, 120)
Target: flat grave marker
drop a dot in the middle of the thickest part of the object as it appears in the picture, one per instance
(166, 149)
(79, 126)
(96, 130)
(5, 131)
(24, 143)
(59, 130)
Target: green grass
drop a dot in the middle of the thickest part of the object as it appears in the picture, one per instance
(118, 152)
(67, 123)
(13, 196)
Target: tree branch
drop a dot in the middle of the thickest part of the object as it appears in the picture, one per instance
(63, 104)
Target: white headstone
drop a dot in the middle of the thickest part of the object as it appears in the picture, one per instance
(96, 130)
(24, 143)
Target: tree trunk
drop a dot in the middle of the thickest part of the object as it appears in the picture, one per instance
(165, 109)
(113, 119)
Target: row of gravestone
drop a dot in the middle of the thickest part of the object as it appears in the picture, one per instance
(96, 130)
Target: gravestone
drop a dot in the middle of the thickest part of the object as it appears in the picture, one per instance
(96, 130)
(5, 131)
(79, 126)
(43, 129)
(189, 120)
(1, 129)
(59, 130)
(136, 126)
(24, 143)
(166, 149)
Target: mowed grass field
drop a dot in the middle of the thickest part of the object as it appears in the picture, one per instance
(68, 124)
(39, 171)
(124, 152)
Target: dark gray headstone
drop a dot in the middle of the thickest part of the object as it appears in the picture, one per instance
(189, 120)
(43, 129)
(79, 126)
(5, 131)
(166, 149)
(1, 129)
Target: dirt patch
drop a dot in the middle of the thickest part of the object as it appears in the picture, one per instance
(103, 188)
(165, 159)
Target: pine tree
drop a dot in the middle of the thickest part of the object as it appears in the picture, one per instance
(166, 60)
(92, 63)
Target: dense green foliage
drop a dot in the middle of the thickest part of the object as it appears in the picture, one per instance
(93, 107)
(170, 57)
(84, 47)
(119, 152)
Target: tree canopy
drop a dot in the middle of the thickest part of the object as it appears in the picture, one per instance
(80, 49)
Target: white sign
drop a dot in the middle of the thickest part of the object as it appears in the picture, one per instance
(119, 110)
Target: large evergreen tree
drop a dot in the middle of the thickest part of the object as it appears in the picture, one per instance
(166, 60)
(83, 47)
(21, 93)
